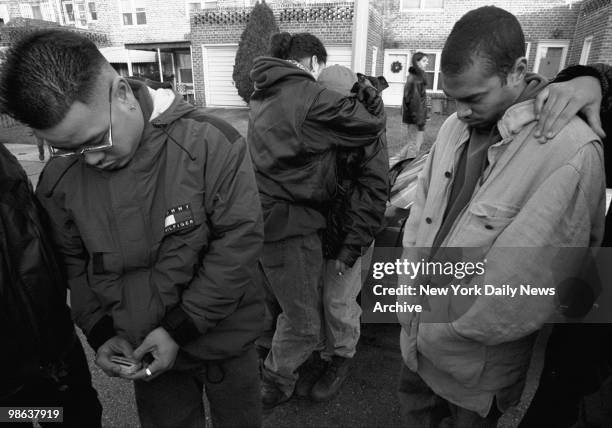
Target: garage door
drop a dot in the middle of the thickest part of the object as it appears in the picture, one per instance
(218, 70)
(219, 67)
(339, 54)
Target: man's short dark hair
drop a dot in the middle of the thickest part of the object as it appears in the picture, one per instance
(490, 34)
(45, 72)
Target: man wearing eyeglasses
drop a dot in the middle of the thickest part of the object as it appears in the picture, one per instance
(156, 213)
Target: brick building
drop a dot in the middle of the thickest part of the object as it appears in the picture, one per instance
(215, 35)
(193, 42)
(592, 40)
(557, 33)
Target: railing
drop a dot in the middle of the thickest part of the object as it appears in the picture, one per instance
(285, 12)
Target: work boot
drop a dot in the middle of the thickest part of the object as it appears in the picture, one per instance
(333, 378)
(271, 395)
(309, 373)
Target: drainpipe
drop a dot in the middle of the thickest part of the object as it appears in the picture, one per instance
(192, 71)
(161, 69)
(129, 62)
(173, 70)
(360, 35)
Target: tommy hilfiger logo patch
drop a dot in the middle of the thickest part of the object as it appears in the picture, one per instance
(178, 218)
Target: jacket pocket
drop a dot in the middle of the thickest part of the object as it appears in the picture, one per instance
(485, 221)
(104, 260)
(460, 357)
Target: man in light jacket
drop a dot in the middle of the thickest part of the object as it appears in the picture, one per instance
(488, 183)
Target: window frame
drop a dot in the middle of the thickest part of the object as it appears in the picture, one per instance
(66, 14)
(588, 44)
(555, 43)
(90, 18)
(436, 71)
(133, 14)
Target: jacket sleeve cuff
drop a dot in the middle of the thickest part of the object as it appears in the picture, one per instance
(580, 71)
(180, 326)
(101, 332)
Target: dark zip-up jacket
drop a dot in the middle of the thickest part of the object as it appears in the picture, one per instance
(295, 125)
(358, 208)
(414, 102)
(171, 239)
(35, 325)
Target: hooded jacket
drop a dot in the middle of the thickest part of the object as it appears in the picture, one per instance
(294, 126)
(35, 325)
(170, 240)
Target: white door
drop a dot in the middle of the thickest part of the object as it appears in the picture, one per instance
(550, 57)
(396, 63)
(218, 83)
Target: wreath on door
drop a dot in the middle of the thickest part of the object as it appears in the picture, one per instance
(396, 67)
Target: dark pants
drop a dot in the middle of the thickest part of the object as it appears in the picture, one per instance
(293, 274)
(572, 388)
(73, 392)
(422, 408)
(174, 399)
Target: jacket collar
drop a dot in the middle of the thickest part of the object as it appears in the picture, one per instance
(516, 118)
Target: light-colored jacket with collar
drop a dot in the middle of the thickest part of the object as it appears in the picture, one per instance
(530, 196)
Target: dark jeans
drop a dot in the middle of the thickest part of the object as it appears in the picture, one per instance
(421, 407)
(174, 399)
(73, 392)
(292, 272)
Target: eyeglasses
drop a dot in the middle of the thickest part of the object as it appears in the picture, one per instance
(107, 141)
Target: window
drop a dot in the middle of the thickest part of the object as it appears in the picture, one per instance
(433, 69)
(4, 13)
(36, 11)
(421, 4)
(93, 15)
(41, 10)
(586, 50)
(80, 12)
(69, 12)
(133, 12)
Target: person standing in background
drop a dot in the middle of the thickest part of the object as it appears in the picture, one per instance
(356, 215)
(414, 102)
